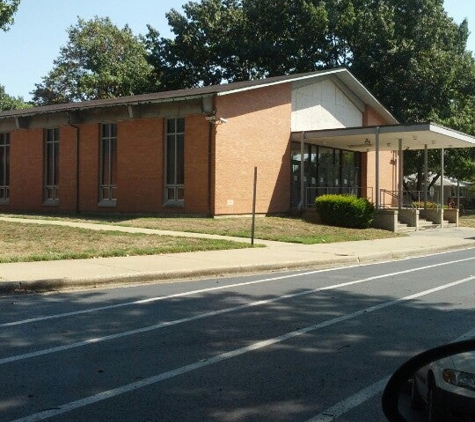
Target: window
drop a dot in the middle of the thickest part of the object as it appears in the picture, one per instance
(4, 168)
(325, 171)
(51, 167)
(175, 162)
(108, 165)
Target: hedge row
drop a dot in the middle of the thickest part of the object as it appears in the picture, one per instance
(345, 211)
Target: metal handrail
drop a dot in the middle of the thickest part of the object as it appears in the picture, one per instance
(410, 199)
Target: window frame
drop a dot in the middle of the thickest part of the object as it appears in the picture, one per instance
(51, 167)
(174, 162)
(108, 182)
(5, 168)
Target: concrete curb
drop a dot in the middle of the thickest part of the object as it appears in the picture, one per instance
(64, 284)
(38, 277)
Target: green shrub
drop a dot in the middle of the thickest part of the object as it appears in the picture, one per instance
(420, 204)
(345, 211)
(430, 205)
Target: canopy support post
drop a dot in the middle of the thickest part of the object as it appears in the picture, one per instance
(442, 175)
(401, 175)
(426, 175)
(377, 202)
(302, 173)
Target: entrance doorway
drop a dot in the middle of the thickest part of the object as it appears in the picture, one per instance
(326, 171)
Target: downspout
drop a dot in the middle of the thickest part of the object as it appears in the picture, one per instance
(458, 195)
(210, 167)
(77, 162)
(302, 173)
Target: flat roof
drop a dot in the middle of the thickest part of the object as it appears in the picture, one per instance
(415, 136)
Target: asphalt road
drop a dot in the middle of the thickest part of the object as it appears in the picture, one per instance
(307, 346)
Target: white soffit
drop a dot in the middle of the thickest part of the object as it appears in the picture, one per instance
(414, 137)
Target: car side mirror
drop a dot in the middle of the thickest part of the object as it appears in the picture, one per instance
(436, 385)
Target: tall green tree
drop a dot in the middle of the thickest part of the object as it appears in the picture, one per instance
(234, 40)
(409, 53)
(7, 9)
(412, 56)
(7, 102)
(99, 61)
(206, 49)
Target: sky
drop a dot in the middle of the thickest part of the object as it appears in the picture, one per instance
(33, 42)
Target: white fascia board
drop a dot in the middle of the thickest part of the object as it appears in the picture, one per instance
(362, 92)
(442, 130)
(285, 81)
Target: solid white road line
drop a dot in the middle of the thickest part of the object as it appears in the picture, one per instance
(165, 324)
(159, 298)
(367, 393)
(68, 407)
(225, 287)
(351, 402)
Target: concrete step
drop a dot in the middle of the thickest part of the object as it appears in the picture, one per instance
(427, 224)
(404, 228)
(447, 225)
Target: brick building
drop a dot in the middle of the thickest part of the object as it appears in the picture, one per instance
(194, 151)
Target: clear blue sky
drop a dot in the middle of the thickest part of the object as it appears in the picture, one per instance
(33, 42)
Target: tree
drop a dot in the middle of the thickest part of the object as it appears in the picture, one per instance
(7, 9)
(413, 57)
(99, 61)
(204, 51)
(232, 40)
(409, 53)
(7, 102)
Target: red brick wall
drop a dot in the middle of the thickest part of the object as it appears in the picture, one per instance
(139, 165)
(196, 165)
(371, 118)
(89, 167)
(140, 149)
(26, 170)
(388, 169)
(67, 170)
(256, 135)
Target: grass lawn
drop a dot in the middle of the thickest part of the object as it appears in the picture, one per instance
(32, 242)
(467, 219)
(281, 229)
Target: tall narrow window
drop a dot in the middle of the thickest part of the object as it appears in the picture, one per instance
(4, 168)
(175, 162)
(51, 166)
(108, 176)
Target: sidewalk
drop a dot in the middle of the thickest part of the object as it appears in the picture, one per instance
(91, 273)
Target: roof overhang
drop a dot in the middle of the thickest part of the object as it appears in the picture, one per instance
(342, 77)
(415, 137)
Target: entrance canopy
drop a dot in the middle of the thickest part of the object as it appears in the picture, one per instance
(391, 138)
(420, 136)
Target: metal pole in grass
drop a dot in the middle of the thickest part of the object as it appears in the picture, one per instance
(254, 206)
